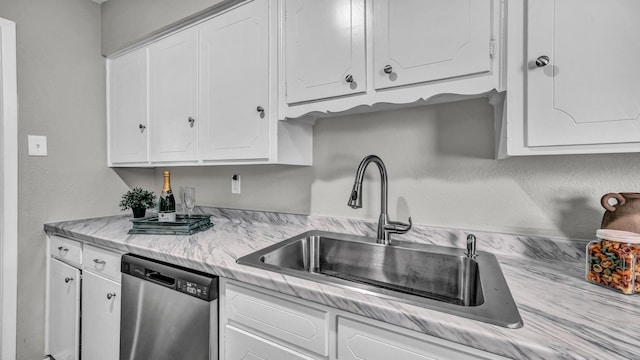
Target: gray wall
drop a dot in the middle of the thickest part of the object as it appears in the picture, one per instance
(440, 162)
(61, 94)
(125, 21)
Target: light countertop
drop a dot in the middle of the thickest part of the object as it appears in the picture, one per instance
(564, 316)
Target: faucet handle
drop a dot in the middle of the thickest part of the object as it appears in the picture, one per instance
(397, 227)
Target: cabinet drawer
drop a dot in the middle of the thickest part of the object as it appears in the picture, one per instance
(285, 320)
(360, 341)
(65, 249)
(243, 345)
(101, 261)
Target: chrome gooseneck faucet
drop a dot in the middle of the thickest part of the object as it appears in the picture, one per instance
(385, 226)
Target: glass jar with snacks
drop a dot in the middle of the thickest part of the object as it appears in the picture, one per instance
(613, 260)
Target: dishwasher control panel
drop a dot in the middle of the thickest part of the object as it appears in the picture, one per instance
(192, 288)
(187, 281)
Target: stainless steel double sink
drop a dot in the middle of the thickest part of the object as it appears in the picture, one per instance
(436, 277)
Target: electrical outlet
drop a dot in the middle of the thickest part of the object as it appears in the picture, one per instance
(37, 145)
(235, 184)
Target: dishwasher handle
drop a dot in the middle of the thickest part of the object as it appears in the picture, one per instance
(160, 279)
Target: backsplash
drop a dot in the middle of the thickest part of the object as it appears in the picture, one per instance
(531, 247)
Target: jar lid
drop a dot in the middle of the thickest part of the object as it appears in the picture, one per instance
(618, 235)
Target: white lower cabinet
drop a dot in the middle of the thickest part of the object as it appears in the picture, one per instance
(256, 323)
(358, 340)
(100, 318)
(63, 311)
(83, 301)
(243, 345)
(292, 322)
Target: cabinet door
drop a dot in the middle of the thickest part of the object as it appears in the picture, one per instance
(360, 341)
(234, 84)
(242, 345)
(426, 40)
(100, 318)
(173, 97)
(128, 107)
(296, 324)
(64, 311)
(324, 49)
(585, 88)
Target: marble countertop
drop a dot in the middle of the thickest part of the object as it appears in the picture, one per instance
(564, 316)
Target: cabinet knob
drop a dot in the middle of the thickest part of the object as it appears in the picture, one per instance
(348, 78)
(62, 249)
(98, 261)
(388, 69)
(191, 121)
(542, 61)
(111, 296)
(141, 127)
(260, 110)
(68, 279)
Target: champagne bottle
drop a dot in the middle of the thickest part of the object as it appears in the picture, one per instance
(167, 211)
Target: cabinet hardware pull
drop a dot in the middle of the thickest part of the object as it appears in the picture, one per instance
(348, 78)
(62, 249)
(542, 61)
(110, 296)
(388, 69)
(191, 121)
(67, 279)
(142, 127)
(98, 261)
(260, 110)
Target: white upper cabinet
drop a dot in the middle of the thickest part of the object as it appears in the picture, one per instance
(341, 55)
(234, 84)
(173, 97)
(589, 90)
(211, 90)
(324, 48)
(128, 108)
(426, 40)
(573, 83)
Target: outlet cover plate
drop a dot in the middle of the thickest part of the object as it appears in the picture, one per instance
(235, 184)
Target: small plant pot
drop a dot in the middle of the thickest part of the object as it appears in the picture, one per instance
(139, 212)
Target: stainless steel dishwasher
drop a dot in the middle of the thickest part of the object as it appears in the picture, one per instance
(168, 312)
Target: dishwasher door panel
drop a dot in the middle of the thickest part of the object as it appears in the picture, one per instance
(156, 319)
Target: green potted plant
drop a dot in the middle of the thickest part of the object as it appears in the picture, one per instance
(138, 200)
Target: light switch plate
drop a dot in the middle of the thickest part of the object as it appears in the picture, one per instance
(37, 145)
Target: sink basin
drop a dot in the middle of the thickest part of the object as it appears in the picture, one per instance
(436, 277)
